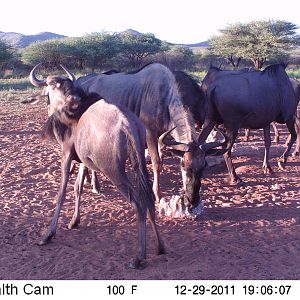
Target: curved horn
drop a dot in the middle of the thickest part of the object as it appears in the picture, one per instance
(32, 77)
(162, 141)
(207, 146)
(70, 75)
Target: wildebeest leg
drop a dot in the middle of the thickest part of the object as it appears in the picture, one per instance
(95, 183)
(92, 181)
(231, 134)
(152, 144)
(65, 173)
(276, 132)
(297, 128)
(119, 179)
(72, 168)
(247, 134)
(141, 214)
(288, 139)
(159, 243)
(291, 127)
(87, 178)
(77, 191)
(267, 137)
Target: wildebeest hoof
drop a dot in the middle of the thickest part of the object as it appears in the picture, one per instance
(96, 191)
(281, 166)
(45, 241)
(295, 153)
(161, 250)
(267, 170)
(73, 225)
(136, 264)
(237, 181)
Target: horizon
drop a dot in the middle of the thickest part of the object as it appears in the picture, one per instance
(168, 20)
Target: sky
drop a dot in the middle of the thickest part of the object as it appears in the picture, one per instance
(184, 21)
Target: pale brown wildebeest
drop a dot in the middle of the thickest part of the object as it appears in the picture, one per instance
(101, 136)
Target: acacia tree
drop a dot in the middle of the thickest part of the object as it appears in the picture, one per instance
(137, 47)
(257, 41)
(6, 53)
(49, 52)
(177, 57)
(97, 49)
(93, 51)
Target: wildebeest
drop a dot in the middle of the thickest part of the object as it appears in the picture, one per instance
(152, 93)
(101, 136)
(251, 100)
(296, 87)
(215, 73)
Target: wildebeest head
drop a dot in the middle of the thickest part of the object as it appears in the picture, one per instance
(61, 92)
(193, 163)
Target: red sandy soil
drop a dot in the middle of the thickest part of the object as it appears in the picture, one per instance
(248, 232)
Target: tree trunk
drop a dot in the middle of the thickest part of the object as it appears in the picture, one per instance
(258, 62)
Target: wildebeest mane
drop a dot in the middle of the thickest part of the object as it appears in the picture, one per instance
(179, 76)
(140, 69)
(274, 69)
(110, 72)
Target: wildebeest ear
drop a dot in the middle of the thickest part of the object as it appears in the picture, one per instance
(215, 152)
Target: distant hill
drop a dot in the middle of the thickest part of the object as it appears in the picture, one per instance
(19, 40)
(130, 31)
(196, 45)
(201, 44)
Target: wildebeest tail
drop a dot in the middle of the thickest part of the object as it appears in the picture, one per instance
(143, 194)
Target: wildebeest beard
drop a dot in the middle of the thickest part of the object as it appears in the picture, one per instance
(57, 130)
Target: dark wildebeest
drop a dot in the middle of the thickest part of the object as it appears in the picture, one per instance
(101, 136)
(251, 100)
(296, 87)
(152, 93)
(215, 73)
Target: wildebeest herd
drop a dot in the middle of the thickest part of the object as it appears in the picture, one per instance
(100, 120)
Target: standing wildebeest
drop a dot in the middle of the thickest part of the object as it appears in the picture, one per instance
(100, 136)
(251, 100)
(296, 87)
(152, 94)
(215, 73)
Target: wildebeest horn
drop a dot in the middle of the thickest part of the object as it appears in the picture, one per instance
(32, 77)
(207, 146)
(70, 75)
(163, 141)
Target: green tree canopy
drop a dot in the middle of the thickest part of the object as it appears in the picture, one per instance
(97, 49)
(178, 57)
(50, 53)
(257, 41)
(6, 53)
(136, 47)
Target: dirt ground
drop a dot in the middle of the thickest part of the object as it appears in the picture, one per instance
(248, 232)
